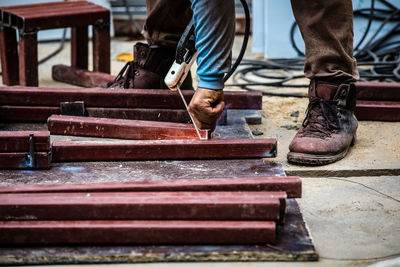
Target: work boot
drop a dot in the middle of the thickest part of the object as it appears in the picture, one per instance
(329, 127)
(148, 69)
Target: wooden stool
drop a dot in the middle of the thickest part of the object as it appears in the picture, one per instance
(20, 66)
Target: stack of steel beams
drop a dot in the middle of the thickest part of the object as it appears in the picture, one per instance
(196, 211)
(378, 101)
(37, 104)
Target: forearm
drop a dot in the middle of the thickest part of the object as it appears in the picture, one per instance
(214, 23)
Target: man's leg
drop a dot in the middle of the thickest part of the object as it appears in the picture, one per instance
(165, 23)
(330, 126)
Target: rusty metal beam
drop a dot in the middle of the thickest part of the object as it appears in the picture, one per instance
(9, 56)
(41, 114)
(163, 150)
(18, 141)
(133, 98)
(377, 110)
(101, 45)
(378, 91)
(290, 184)
(50, 15)
(22, 160)
(142, 206)
(136, 232)
(79, 47)
(122, 129)
(28, 59)
(26, 113)
(80, 77)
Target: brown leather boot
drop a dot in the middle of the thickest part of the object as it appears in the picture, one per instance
(148, 69)
(329, 127)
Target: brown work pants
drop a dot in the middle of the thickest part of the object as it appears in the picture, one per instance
(326, 27)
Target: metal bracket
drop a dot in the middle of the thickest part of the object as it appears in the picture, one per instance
(76, 108)
(102, 24)
(30, 160)
(23, 33)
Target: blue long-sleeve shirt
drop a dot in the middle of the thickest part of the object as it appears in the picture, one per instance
(214, 22)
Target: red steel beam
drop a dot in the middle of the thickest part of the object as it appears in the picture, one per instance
(122, 129)
(290, 184)
(163, 149)
(142, 206)
(101, 46)
(20, 160)
(377, 110)
(136, 232)
(79, 47)
(378, 91)
(9, 56)
(18, 141)
(42, 6)
(48, 15)
(27, 113)
(80, 77)
(41, 114)
(28, 59)
(118, 98)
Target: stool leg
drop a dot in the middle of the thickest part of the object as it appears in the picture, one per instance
(101, 47)
(28, 59)
(9, 56)
(79, 47)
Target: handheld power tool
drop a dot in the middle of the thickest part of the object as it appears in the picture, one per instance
(186, 55)
(184, 59)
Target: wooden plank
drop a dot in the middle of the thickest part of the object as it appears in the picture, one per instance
(163, 149)
(80, 77)
(289, 184)
(20, 160)
(28, 59)
(142, 206)
(122, 129)
(377, 110)
(118, 98)
(9, 56)
(136, 232)
(18, 141)
(378, 91)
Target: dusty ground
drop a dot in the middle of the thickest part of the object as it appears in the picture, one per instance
(352, 207)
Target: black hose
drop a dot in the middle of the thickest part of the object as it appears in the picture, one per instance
(245, 41)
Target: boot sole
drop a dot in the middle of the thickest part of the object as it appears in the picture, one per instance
(317, 160)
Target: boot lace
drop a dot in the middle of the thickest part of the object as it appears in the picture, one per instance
(321, 119)
(124, 77)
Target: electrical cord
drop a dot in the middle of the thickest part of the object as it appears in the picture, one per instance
(378, 56)
(245, 41)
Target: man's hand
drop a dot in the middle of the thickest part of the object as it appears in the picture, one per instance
(206, 106)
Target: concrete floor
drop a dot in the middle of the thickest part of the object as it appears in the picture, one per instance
(352, 207)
